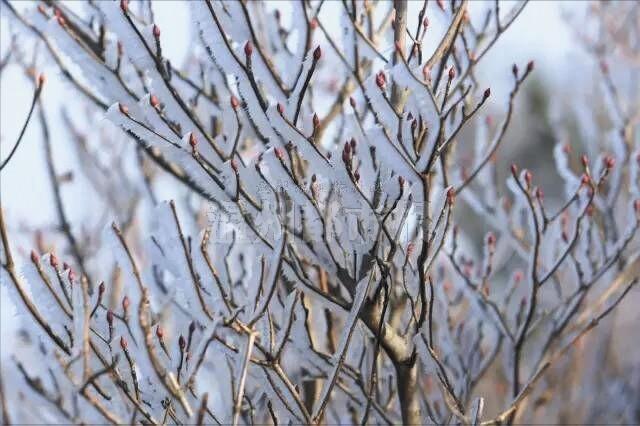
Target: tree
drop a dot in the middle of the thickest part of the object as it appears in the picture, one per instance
(312, 270)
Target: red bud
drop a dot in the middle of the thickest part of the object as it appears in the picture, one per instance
(123, 109)
(53, 261)
(279, 153)
(487, 93)
(585, 180)
(248, 48)
(528, 177)
(313, 24)
(182, 342)
(280, 108)
(401, 181)
(380, 80)
(234, 165)
(125, 303)
(636, 207)
(452, 73)
(101, 288)
(426, 73)
(345, 155)
(604, 67)
(72, 275)
(539, 194)
(192, 327)
(585, 160)
(451, 196)
(156, 31)
(159, 332)
(41, 80)
(110, 317)
(123, 343)
(491, 239)
(124, 5)
(316, 120)
(609, 162)
(317, 54)
(353, 104)
(530, 66)
(517, 276)
(514, 70)
(153, 101)
(193, 142)
(234, 102)
(34, 257)
(489, 120)
(514, 170)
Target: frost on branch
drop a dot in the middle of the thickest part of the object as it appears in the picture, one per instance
(316, 259)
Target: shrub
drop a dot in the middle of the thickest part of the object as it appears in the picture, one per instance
(316, 266)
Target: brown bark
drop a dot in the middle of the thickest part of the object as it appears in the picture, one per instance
(407, 378)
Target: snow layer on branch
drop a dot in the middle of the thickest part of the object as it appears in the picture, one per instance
(381, 108)
(146, 135)
(292, 102)
(173, 151)
(308, 151)
(215, 379)
(391, 157)
(276, 396)
(299, 35)
(214, 42)
(271, 278)
(287, 311)
(139, 45)
(348, 39)
(154, 120)
(341, 350)
(426, 108)
(134, 47)
(92, 69)
(301, 341)
(22, 313)
(166, 239)
(42, 297)
(234, 23)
